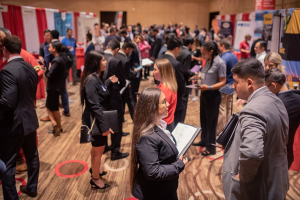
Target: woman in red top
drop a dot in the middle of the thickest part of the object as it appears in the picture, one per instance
(245, 47)
(164, 72)
(145, 49)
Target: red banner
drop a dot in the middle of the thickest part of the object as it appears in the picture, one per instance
(264, 4)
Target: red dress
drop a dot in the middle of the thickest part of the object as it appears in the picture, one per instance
(171, 99)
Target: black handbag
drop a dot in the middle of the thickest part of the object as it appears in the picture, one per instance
(85, 133)
(112, 120)
(228, 130)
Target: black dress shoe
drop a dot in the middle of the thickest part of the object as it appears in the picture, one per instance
(53, 131)
(94, 186)
(199, 144)
(119, 155)
(125, 134)
(107, 149)
(24, 190)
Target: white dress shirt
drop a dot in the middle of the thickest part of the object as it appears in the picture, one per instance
(261, 57)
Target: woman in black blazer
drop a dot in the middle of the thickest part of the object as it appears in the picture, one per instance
(155, 166)
(55, 84)
(94, 94)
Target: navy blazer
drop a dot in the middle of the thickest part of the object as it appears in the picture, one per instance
(159, 168)
(180, 79)
(91, 47)
(18, 85)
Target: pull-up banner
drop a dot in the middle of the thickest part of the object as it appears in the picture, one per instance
(264, 4)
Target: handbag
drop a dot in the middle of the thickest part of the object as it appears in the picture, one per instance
(228, 130)
(85, 133)
(112, 120)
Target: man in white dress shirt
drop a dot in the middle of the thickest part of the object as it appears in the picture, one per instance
(260, 50)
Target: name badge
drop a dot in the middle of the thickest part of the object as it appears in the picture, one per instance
(103, 88)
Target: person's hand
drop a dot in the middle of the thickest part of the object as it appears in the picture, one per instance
(237, 177)
(137, 70)
(113, 79)
(149, 65)
(184, 160)
(193, 57)
(240, 102)
(152, 58)
(107, 132)
(203, 87)
(195, 77)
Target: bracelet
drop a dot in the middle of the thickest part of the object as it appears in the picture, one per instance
(209, 87)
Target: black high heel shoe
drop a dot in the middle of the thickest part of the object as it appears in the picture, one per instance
(94, 186)
(102, 174)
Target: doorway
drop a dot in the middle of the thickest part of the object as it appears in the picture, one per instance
(112, 16)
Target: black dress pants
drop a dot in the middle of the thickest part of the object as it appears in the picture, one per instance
(209, 112)
(135, 84)
(128, 99)
(185, 102)
(9, 150)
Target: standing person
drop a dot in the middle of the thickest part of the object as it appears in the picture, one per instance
(70, 43)
(89, 44)
(245, 47)
(104, 29)
(114, 68)
(145, 49)
(55, 85)
(98, 39)
(42, 47)
(112, 36)
(129, 32)
(230, 60)
(185, 58)
(54, 35)
(196, 30)
(135, 60)
(196, 60)
(18, 124)
(255, 164)
(213, 77)
(163, 49)
(252, 51)
(122, 55)
(156, 45)
(260, 50)
(155, 167)
(174, 47)
(276, 83)
(95, 96)
(164, 73)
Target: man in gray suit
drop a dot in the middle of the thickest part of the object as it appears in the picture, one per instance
(255, 162)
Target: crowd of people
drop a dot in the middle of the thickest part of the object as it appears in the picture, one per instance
(258, 154)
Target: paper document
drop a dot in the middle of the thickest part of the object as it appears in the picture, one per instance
(196, 68)
(185, 135)
(126, 85)
(194, 86)
(146, 61)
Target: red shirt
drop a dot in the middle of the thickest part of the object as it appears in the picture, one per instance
(171, 99)
(246, 46)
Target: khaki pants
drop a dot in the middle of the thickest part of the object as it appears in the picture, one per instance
(224, 112)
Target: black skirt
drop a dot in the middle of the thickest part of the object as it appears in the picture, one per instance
(52, 102)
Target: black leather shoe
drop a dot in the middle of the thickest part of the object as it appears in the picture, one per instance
(107, 149)
(94, 186)
(125, 134)
(119, 155)
(24, 190)
(199, 144)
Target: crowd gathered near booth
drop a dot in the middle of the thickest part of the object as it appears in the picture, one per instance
(256, 158)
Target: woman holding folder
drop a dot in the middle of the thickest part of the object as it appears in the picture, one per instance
(155, 168)
(164, 73)
(94, 95)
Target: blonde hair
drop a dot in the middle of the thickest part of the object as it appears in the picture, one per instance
(167, 74)
(275, 58)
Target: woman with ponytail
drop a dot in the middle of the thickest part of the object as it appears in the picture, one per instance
(213, 77)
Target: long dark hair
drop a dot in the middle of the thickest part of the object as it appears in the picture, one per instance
(59, 47)
(91, 65)
(144, 118)
(211, 45)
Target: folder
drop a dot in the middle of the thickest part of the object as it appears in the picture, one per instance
(227, 89)
(196, 68)
(184, 136)
(146, 61)
(112, 119)
(228, 130)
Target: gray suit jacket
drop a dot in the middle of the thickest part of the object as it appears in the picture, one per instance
(257, 151)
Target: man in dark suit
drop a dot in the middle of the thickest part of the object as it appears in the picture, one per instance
(114, 68)
(156, 45)
(173, 49)
(18, 85)
(276, 82)
(112, 36)
(122, 55)
(135, 60)
(185, 58)
(90, 45)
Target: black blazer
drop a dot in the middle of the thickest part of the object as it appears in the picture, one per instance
(180, 79)
(134, 60)
(129, 73)
(96, 97)
(18, 85)
(159, 169)
(185, 58)
(158, 43)
(56, 73)
(109, 38)
(291, 102)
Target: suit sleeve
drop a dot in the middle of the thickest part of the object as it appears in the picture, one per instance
(8, 90)
(187, 66)
(53, 70)
(252, 146)
(156, 47)
(94, 99)
(147, 152)
(180, 79)
(116, 69)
